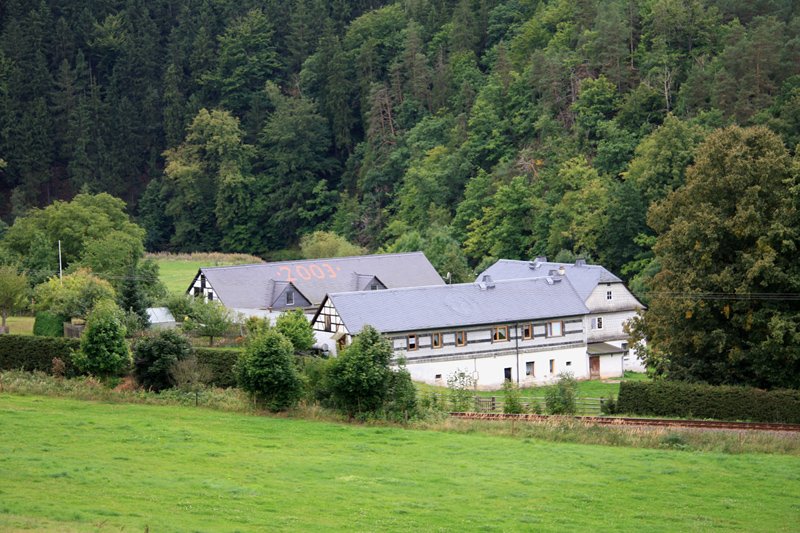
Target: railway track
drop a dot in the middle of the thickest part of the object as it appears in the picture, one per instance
(642, 422)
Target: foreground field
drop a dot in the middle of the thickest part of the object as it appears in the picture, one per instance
(72, 465)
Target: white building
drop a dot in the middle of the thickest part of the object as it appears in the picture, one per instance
(267, 289)
(609, 301)
(525, 330)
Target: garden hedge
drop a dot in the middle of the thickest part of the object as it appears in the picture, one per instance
(28, 352)
(695, 400)
(49, 324)
(221, 362)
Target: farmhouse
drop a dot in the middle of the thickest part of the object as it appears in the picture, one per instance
(525, 330)
(610, 303)
(265, 289)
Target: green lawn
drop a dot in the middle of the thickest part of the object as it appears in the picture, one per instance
(177, 270)
(71, 465)
(20, 325)
(595, 388)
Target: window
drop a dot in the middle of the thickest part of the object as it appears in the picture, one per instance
(411, 342)
(500, 334)
(436, 340)
(625, 346)
(507, 373)
(555, 329)
(552, 366)
(529, 369)
(461, 338)
(327, 322)
(289, 297)
(210, 296)
(197, 291)
(527, 331)
(569, 363)
(608, 295)
(373, 286)
(438, 377)
(597, 323)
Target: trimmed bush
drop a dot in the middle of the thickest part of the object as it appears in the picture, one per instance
(696, 400)
(221, 362)
(27, 352)
(155, 354)
(104, 351)
(49, 324)
(267, 371)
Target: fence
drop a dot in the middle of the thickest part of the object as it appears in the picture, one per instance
(494, 404)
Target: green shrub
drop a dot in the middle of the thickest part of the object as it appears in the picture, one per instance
(696, 400)
(401, 401)
(512, 403)
(560, 398)
(221, 362)
(315, 370)
(360, 376)
(266, 370)
(154, 356)
(296, 327)
(49, 324)
(608, 405)
(104, 350)
(27, 352)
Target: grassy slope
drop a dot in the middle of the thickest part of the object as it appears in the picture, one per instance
(78, 465)
(177, 270)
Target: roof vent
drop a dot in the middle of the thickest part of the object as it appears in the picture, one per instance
(580, 262)
(486, 282)
(553, 281)
(561, 270)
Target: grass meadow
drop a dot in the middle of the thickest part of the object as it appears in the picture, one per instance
(69, 465)
(20, 325)
(177, 270)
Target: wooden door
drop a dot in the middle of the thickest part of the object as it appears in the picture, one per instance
(594, 366)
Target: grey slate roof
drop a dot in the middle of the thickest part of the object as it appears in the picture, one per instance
(256, 286)
(582, 276)
(463, 304)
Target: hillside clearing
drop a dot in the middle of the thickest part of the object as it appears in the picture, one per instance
(72, 465)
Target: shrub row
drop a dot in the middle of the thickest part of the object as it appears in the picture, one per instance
(27, 352)
(30, 352)
(221, 362)
(675, 398)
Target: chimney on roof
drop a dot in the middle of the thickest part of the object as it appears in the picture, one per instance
(486, 282)
(580, 262)
(561, 270)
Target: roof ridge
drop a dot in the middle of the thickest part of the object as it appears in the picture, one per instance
(327, 259)
(455, 285)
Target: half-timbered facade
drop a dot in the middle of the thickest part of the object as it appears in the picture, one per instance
(609, 301)
(266, 289)
(527, 330)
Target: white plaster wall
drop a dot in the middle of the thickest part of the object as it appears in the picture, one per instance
(612, 326)
(490, 370)
(611, 366)
(621, 299)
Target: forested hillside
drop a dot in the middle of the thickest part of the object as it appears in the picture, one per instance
(471, 129)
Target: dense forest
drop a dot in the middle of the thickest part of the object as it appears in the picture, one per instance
(471, 129)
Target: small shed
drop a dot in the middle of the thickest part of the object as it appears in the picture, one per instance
(160, 318)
